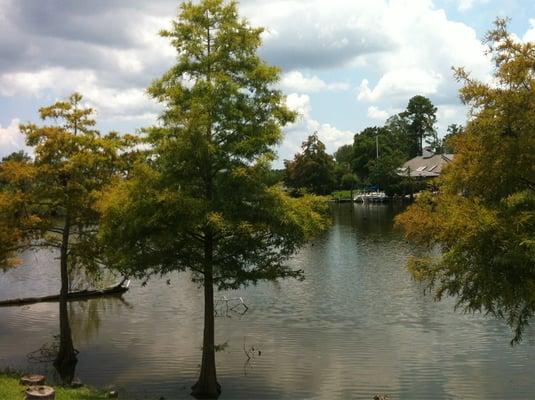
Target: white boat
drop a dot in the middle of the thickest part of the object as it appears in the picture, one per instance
(370, 197)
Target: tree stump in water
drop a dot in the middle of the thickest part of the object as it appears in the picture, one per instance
(40, 393)
(32, 380)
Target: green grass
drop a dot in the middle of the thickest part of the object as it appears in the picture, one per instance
(12, 390)
(343, 194)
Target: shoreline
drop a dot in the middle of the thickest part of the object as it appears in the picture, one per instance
(10, 388)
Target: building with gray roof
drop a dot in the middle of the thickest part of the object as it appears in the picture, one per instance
(428, 165)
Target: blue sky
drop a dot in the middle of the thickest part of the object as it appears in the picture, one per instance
(347, 64)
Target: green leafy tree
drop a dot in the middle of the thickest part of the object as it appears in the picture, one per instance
(401, 138)
(365, 149)
(421, 118)
(343, 158)
(276, 176)
(384, 172)
(349, 182)
(200, 202)
(312, 169)
(19, 156)
(453, 131)
(344, 155)
(379, 152)
(50, 202)
(483, 218)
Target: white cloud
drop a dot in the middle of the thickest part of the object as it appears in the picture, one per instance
(146, 118)
(113, 103)
(11, 139)
(529, 36)
(464, 5)
(299, 103)
(401, 83)
(317, 33)
(109, 102)
(428, 44)
(376, 113)
(34, 83)
(305, 125)
(450, 114)
(296, 81)
(409, 45)
(331, 135)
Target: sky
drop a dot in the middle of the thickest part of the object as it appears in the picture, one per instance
(346, 64)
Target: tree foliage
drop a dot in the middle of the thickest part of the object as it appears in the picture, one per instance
(384, 172)
(20, 156)
(483, 219)
(401, 138)
(453, 131)
(46, 201)
(378, 153)
(421, 118)
(49, 202)
(344, 155)
(312, 169)
(349, 181)
(201, 201)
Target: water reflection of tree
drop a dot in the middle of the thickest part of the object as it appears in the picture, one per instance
(82, 278)
(86, 316)
(79, 322)
(66, 360)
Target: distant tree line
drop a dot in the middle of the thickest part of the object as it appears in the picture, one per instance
(373, 159)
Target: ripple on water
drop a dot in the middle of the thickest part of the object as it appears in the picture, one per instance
(357, 325)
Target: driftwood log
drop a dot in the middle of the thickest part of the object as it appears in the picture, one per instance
(83, 294)
(40, 393)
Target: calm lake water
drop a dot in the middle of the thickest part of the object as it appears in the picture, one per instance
(358, 325)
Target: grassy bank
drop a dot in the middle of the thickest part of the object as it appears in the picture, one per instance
(343, 194)
(12, 390)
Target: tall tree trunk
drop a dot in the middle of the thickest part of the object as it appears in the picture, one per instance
(64, 254)
(207, 386)
(66, 360)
